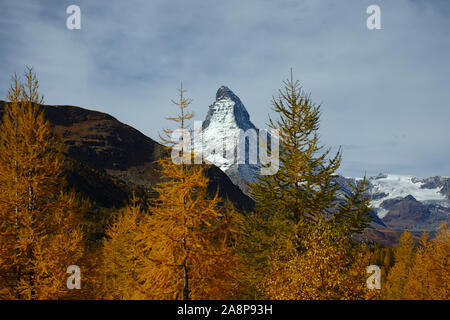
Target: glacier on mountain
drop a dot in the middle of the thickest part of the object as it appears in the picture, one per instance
(386, 187)
(391, 186)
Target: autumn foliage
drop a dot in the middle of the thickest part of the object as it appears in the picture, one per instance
(324, 265)
(184, 242)
(183, 247)
(40, 231)
(420, 272)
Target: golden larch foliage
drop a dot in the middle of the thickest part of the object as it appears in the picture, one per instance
(398, 275)
(182, 248)
(188, 240)
(426, 276)
(189, 236)
(121, 257)
(40, 232)
(327, 266)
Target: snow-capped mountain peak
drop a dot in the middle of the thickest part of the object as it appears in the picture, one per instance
(225, 93)
(389, 186)
(226, 120)
(228, 112)
(401, 186)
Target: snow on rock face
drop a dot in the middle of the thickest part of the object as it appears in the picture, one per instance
(389, 186)
(226, 119)
(227, 112)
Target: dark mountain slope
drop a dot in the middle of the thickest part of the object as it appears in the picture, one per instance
(110, 159)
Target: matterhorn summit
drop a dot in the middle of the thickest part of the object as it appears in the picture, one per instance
(226, 127)
(227, 112)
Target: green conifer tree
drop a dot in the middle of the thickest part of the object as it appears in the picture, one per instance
(303, 192)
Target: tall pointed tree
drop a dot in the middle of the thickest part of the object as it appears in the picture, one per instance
(40, 232)
(182, 248)
(302, 193)
(304, 188)
(189, 238)
(189, 235)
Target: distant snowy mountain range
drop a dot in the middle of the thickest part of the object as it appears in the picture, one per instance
(405, 202)
(398, 202)
(389, 187)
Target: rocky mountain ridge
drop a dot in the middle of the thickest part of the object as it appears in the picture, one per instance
(117, 152)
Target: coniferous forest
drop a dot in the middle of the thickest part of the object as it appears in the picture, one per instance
(182, 242)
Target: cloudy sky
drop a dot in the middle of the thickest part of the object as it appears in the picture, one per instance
(385, 94)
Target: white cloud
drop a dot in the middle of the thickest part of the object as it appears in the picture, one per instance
(384, 91)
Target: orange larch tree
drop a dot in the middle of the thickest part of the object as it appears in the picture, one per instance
(429, 278)
(189, 238)
(40, 231)
(393, 288)
(328, 266)
(121, 258)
